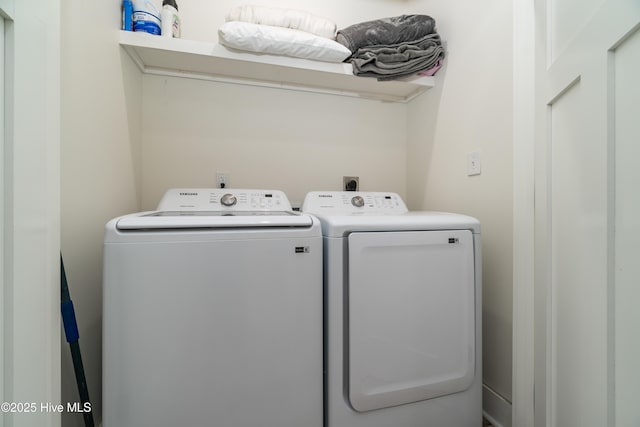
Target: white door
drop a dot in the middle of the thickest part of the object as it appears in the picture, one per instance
(411, 333)
(586, 213)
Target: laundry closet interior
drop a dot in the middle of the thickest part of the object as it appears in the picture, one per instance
(129, 135)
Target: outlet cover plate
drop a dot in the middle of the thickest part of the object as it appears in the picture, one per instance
(474, 164)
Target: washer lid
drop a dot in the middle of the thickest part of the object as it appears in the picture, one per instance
(213, 219)
(182, 208)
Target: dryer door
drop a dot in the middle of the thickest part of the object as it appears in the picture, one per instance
(411, 316)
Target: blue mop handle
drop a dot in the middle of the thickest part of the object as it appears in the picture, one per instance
(69, 321)
(71, 332)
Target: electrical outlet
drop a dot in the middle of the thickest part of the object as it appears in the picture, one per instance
(350, 183)
(474, 164)
(222, 179)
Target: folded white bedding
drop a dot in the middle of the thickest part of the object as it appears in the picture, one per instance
(280, 41)
(286, 18)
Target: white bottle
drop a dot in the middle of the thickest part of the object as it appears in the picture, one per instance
(170, 19)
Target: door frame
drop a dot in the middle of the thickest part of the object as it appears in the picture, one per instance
(524, 126)
(30, 289)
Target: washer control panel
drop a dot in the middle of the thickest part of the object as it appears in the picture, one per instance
(353, 203)
(224, 199)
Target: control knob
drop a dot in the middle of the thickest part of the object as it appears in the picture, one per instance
(228, 200)
(357, 201)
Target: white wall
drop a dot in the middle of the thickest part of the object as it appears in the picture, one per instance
(266, 138)
(101, 107)
(470, 109)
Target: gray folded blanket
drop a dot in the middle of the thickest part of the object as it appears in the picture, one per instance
(389, 62)
(386, 31)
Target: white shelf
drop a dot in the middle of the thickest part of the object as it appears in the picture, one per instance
(211, 61)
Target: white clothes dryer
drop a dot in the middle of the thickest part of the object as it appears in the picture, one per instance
(402, 313)
(213, 313)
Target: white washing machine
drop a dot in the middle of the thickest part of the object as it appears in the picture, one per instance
(213, 313)
(402, 313)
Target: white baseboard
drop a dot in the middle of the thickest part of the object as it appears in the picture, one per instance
(495, 408)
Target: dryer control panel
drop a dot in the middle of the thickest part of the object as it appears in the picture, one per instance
(353, 203)
(225, 200)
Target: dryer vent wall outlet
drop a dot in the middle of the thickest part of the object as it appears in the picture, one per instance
(350, 183)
